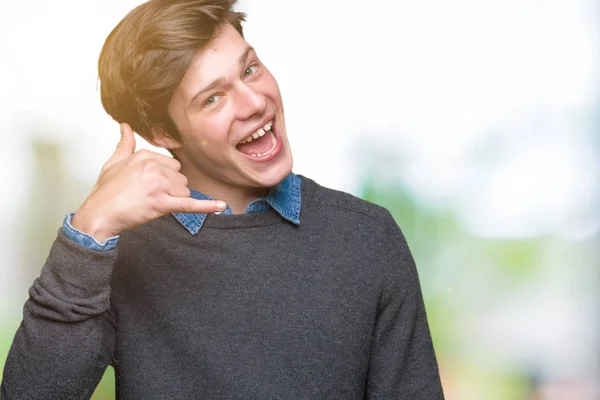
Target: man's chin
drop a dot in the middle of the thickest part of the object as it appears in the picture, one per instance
(273, 175)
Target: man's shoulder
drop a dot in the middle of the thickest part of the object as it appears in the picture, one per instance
(328, 200)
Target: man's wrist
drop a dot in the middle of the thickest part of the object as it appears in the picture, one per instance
(86, 240)
(94, 226)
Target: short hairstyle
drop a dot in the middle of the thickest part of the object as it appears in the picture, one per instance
(147, 54)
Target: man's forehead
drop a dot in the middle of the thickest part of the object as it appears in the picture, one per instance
(219, 53)
(227, 40)
(220, 57)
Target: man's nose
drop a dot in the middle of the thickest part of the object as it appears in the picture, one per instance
(250, 101)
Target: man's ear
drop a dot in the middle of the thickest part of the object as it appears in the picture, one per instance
(160, 138)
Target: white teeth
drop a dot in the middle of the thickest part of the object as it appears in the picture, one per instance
(273, 145)
(260, 132)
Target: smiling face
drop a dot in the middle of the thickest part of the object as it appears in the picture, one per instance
(226, 97)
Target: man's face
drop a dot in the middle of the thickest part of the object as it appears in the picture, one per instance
(225, 97)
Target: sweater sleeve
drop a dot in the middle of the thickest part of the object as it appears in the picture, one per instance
(66, 338)
(402, 363)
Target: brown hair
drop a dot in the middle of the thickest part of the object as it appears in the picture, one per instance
(146, 55)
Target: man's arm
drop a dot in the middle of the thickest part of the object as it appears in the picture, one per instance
(403, 363)
(66, 338)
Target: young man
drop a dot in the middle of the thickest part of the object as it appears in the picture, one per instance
(280, 289)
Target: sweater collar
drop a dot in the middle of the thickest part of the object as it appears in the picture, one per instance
(284, 198)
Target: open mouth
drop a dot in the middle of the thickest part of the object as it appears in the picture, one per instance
(261, 144)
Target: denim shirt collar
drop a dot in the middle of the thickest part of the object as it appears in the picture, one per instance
(284, 198)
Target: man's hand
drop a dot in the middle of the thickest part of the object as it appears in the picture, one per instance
(134, 188)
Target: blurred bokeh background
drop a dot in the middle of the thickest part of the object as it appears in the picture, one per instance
(476, 122)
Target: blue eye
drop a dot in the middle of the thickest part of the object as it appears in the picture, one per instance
(252, 70)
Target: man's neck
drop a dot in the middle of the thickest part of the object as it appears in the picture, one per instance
(238, 202)
(237, 198)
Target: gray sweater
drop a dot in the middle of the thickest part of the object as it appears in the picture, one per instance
(253, 307)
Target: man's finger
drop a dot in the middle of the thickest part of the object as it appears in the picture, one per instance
(164, 160)
(125, 147)
(174, 176)
(190, 205)
(176, 189)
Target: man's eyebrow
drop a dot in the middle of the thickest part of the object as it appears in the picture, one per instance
(221, 80)
(244, 56)
(213, 85)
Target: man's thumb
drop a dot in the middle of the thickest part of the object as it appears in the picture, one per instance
(125, 147)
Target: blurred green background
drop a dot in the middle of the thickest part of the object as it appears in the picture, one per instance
(476, 123)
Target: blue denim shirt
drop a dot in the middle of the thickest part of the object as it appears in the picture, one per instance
(284, 198)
